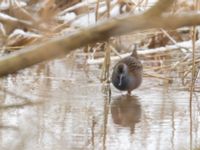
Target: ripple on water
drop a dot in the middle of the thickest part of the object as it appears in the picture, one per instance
(77, 114)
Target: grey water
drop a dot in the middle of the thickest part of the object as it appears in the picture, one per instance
(62, 105)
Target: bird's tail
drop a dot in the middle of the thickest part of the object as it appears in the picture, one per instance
(134, 52)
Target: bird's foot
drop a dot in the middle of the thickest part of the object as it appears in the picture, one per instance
(129, 93)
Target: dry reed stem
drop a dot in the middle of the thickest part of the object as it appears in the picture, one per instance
(192, 78)
(115, 51)
(108, 8)
(97, 11)
(173, 40)
(106, 64)
(160, 50)
(169, 80)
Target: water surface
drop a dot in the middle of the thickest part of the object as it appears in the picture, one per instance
(62, 105)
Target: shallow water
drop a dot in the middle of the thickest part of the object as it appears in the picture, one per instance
(76, 111)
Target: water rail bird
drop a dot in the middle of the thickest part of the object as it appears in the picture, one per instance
(127, 73)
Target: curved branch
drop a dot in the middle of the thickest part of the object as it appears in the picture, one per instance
(114, 27)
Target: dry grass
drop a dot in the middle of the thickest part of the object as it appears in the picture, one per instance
(31, 22)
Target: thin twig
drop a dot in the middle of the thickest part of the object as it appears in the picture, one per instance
(157, 76)
(184, 50)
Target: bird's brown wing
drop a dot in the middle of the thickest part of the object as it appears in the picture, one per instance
(132, 63)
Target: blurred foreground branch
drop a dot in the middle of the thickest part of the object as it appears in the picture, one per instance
(114, 27)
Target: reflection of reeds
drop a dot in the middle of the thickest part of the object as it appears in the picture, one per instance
(26, 101)
(107, 99)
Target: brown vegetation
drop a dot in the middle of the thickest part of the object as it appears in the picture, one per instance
(39, 24)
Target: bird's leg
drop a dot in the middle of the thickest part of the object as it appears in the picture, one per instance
(129, 93)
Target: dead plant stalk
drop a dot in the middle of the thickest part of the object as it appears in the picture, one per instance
(60, 46)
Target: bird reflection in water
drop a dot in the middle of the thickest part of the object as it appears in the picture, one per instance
(126, 111)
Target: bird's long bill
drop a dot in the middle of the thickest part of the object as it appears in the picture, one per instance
(120, 79)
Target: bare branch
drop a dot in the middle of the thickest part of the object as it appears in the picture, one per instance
(113, 27)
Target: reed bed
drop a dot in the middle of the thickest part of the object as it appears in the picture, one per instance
(163, 52)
